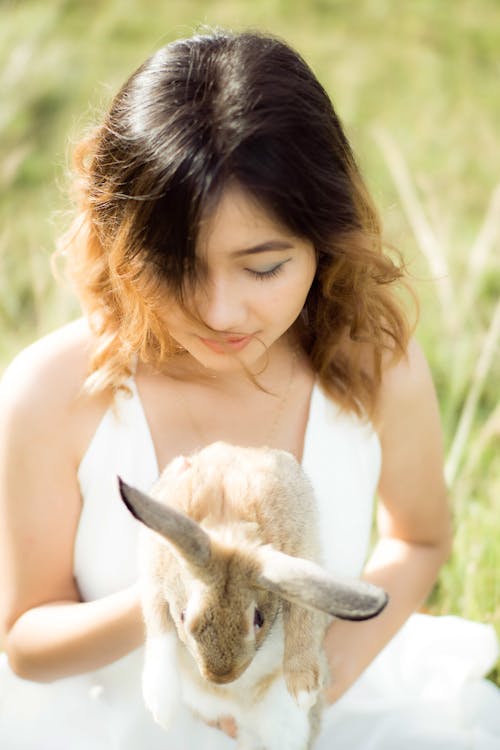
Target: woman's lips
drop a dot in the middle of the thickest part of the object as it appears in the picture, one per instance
(225, 345)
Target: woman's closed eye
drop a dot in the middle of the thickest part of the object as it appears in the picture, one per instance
(267, 273)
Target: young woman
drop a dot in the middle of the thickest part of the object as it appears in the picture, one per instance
(230, 268)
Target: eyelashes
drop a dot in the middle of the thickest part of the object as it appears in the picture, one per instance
(270, 274)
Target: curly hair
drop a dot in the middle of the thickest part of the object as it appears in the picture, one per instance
(199, 113)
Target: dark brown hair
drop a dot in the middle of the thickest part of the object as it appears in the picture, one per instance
(200, 112)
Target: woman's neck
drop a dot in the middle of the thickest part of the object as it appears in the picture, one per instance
(266, 373)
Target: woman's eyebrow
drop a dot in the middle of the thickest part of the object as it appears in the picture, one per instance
(264, 247)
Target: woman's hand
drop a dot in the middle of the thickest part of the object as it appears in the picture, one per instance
(226, 724)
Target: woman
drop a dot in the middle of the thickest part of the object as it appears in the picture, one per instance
(229, 264)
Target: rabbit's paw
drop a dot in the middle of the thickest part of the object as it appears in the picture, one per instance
(304, 686)
(160, 687)
(162, 709)
(306, 700)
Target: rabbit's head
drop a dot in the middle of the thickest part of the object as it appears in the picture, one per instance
(220, 614)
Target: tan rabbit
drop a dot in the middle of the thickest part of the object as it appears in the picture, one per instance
(235, 602)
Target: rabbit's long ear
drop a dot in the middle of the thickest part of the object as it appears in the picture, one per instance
(307, 584)
(184, 533)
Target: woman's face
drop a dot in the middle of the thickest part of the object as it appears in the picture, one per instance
(255, 280)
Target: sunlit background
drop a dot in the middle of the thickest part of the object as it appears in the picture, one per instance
(417, 86)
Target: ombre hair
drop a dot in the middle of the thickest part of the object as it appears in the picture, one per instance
(200, 113)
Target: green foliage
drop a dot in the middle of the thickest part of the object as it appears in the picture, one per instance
(416, 85)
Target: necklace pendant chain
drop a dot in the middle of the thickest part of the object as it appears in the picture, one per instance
(271, 433)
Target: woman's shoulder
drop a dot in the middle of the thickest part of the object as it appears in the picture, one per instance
(41, 389)
(53, 368)
(406, 385)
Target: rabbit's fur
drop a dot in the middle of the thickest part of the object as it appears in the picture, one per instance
(235, 612)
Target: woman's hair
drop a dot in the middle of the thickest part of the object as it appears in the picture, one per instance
(199, 113)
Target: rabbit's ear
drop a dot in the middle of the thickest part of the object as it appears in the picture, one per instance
(307, 584)
(184, 533)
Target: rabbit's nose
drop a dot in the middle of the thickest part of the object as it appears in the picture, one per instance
(220, 677)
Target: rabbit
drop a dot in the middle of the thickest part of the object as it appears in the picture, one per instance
(234, 599)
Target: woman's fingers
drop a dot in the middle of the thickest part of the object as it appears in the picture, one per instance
(228, 725)
(225, 724)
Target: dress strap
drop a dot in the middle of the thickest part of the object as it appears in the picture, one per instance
(342, 457)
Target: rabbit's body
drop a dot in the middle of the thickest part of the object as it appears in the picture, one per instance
(235, 601)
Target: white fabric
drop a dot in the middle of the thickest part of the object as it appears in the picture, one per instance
(424, 691)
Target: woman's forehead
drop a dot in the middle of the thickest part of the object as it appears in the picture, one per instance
(239, 225)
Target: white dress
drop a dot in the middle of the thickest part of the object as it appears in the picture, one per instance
(424, 691)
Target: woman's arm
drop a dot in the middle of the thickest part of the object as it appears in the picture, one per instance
(413, 519)
(48, 632)
(62, 639)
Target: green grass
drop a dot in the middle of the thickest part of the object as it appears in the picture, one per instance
(416, 85)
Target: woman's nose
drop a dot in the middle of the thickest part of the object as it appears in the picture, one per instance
(222, 307)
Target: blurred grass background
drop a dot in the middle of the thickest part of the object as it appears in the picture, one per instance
(417, 87)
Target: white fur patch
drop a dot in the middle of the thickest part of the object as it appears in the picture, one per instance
(196, 593)
(306, 699)
(280, 721)
(160, 682)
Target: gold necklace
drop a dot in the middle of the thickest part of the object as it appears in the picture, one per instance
(271, 433)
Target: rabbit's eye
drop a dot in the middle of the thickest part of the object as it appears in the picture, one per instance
(183, 615)
(258, 620)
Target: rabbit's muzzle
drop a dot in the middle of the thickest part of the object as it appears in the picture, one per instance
(223, 677)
